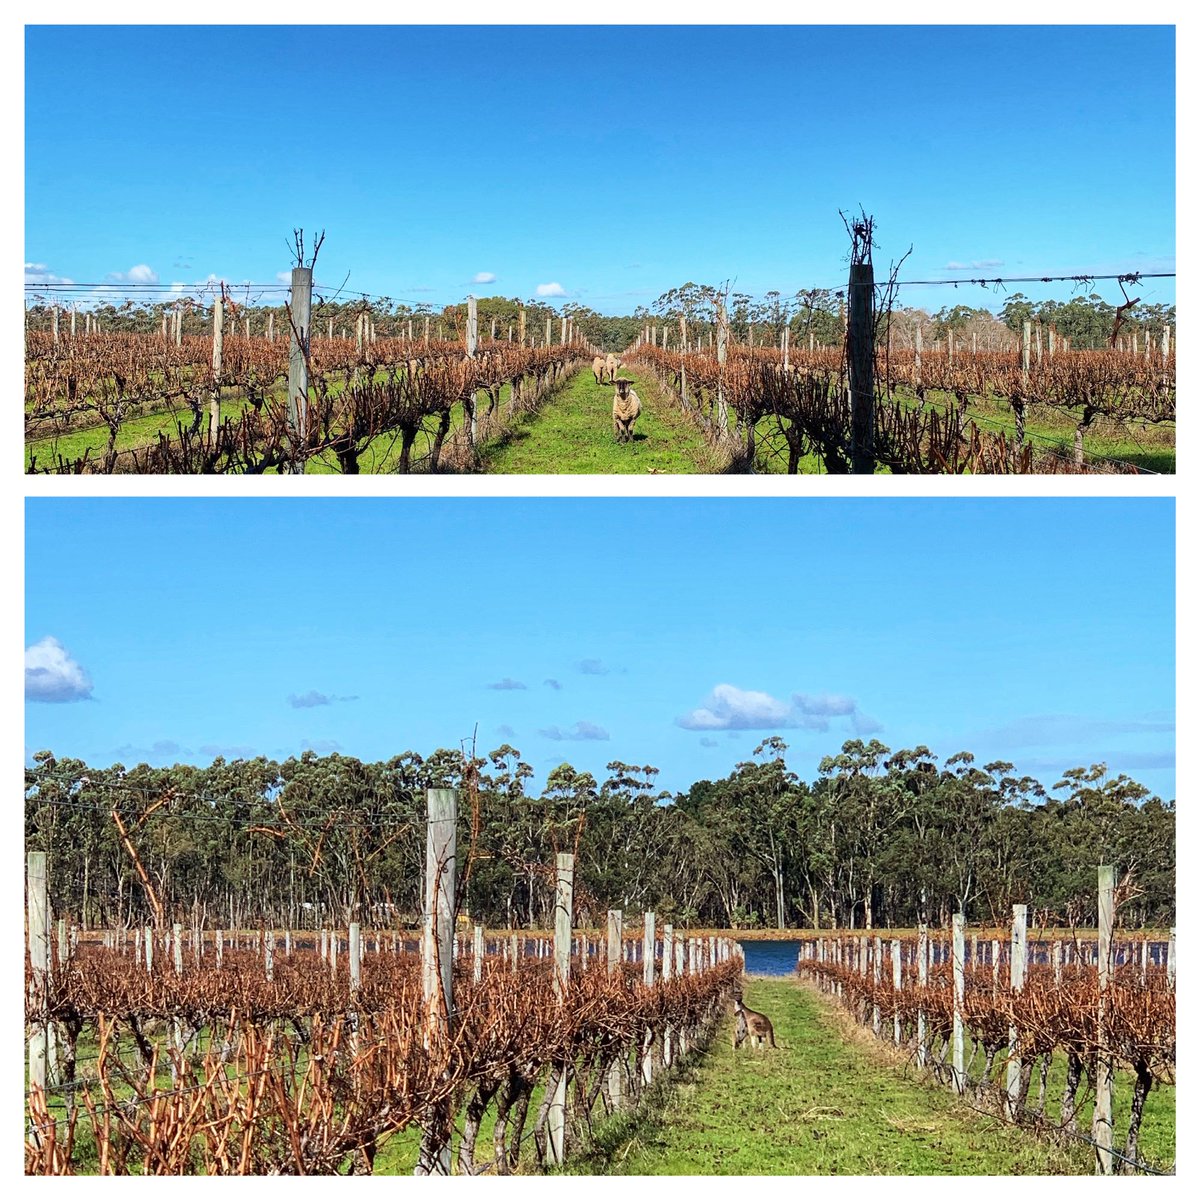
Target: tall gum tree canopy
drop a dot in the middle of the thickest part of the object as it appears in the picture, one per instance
(880, 837)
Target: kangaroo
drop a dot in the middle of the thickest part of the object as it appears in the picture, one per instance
(753, 1025)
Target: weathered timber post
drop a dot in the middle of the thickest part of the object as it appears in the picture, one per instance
(922, 982)
(355, 951)
(301, 307)
(214, 411)
(897, 984)
(722, 407)
(956, 1036)
(37, 915)
(1102, 1117)
(477, 954)
(862, 368)
(437, 963)
(269, 954)
(1171, 960)
(876, 977)
(668, 968)
(648, 980)
(563, 912)
(1016, 979)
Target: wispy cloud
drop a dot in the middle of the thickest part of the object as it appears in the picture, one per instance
(315, 699)
(730, 708)
(138, 274)
(581, 731)
(320, 745)
(163, 751)
(978, 264)
(1055, 729)
(507, 685)
(1120, 760)
(39, 275)
(550, 289)
(483, 277)
(506, 731)
(591, 666)
(230, 752)
(707, 741)
(553, 683)
(52, 676)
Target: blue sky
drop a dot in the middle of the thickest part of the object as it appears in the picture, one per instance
(671, 632)
(604, 165)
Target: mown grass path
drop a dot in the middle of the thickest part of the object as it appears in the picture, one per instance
(826, 1102)
(572, 434)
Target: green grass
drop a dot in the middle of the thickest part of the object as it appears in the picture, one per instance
(572, 434)
(828, 1102)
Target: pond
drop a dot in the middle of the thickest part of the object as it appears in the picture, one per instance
(770, 957)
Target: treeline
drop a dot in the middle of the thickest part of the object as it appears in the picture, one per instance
(879, 838)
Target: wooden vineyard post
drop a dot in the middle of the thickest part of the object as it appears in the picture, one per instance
(437, 963)
(563, 336)
(876, 978)
(1102, 1118)
(1016, 979)
(472, 422)
(298, 365)
(563, 912)
(668, 970)
(648, 980)
(269, 954)
(922, 982)
(956, 1035)
(861, 353)
(37, 916)
(897, 984)
(355, 952)
(477, 954)
(1171, 960)
(214, 411)
(613, 948)
(722, 339)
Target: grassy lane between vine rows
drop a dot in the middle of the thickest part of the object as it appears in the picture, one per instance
(831, 1101)
(572, 433)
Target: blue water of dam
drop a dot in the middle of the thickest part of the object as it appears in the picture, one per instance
(770, 958)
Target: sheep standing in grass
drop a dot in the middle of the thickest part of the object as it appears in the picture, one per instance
(626, 409)
(599, 366)
(612, 364)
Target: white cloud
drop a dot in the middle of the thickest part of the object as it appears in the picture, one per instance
(550, 289)
(52, 676)
(581, 731)
(507, 685)
(732, 708)
(979, 264)
(139, 274)
(283, 276)
(37, 275)
(484, 277)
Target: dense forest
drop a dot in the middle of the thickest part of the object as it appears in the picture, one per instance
(816, 313)
(879, 838)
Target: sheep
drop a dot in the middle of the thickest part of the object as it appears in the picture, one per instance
(612, 364)
(598, 368)
(626, 409)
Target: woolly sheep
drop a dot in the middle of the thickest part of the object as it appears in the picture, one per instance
(598, 368)
(612, 364)
(626, 409)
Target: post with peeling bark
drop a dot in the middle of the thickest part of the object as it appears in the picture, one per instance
(355, 951)
(1102, 1118)
(301, 313)
(876, 976)
(214, 410)
(477, 951)
(616, 934)
(897, 984)
(722, 407)
(563, 911)
(437, 963)
(1016, 979)
(648, 980)
(922, 982)
(956, 1035)
(37, 915)
(861, 336)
